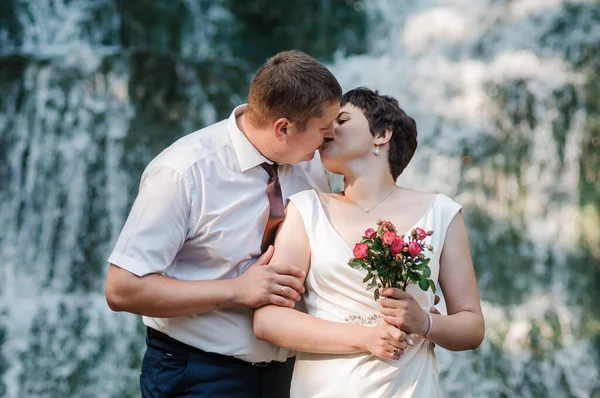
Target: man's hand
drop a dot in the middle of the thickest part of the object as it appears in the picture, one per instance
(265, 283)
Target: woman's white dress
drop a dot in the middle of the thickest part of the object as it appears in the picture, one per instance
(336, 292)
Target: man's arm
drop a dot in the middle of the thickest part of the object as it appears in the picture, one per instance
(164, 297)
(155, 230)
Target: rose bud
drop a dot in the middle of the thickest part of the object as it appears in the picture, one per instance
(421, 257)
(429, 233)
(413, 233)
(399, 257)
(430, 248)
(370, 233)
(388, 226)
(420, 233)
(408, 263)
(405, 249)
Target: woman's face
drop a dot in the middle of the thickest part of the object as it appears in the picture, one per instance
(353, 139)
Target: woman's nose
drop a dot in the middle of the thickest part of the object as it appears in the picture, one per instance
(331, 131)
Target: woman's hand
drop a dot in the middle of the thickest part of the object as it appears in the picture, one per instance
(403, 311)
(385, 341)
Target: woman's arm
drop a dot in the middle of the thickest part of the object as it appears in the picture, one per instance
(287, 327)
(463, 328)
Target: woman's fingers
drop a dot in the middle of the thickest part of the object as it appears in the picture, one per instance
(395, 293)
(395, 352)
(399, 336)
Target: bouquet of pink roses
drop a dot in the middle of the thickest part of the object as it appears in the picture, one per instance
(392, 260)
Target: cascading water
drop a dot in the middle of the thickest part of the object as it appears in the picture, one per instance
(506, 95)
(503, 95)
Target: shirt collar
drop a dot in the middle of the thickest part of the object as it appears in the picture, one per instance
(247, 154)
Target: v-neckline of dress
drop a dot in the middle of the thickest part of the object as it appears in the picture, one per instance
(339, 236)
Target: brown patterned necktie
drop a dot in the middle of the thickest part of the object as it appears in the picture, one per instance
(276, 208)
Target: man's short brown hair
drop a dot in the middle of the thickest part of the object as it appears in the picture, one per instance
(292, 85)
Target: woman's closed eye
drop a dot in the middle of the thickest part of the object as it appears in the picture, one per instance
(342, 121)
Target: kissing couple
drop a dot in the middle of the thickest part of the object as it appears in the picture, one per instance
(236, 251)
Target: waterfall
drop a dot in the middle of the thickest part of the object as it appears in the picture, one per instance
(498, 89)
(506, 95)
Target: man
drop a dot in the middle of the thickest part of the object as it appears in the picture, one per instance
(189, 256)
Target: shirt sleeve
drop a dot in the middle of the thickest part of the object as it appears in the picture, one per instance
(158, 223)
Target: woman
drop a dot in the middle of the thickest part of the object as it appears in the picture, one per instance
(374, 142)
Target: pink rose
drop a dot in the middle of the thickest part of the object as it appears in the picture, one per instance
(388, 226)
(397, 245)
(389, 238)
(421, 233)
(414, 249)
(370, 233)
(360, 251)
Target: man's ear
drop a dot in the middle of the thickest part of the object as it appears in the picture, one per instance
(383, 137)
(280, 128)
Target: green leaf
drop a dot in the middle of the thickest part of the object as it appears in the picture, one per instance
(432, 285)
(369, 276)
(372, 285)
(425, 262)
(424, 284)
(376, 294)
(426, 272)
(414, 276)
(357, 263)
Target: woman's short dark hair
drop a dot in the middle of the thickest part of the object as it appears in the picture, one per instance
(293, 85)
(384, 112)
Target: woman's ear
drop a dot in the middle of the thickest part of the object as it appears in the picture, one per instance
(383, 137)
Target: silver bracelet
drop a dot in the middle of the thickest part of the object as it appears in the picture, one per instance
(430, 326)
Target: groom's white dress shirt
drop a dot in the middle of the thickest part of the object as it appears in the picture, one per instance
(200, 214)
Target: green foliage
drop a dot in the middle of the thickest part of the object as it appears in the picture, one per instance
(3, 361)
(318, 27)
(9, 24)
(192, 59)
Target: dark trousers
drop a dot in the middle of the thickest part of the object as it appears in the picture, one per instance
(173, 369)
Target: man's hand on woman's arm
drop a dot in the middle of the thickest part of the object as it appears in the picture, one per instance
(161, 296)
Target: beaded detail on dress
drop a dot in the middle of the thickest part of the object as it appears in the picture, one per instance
(371, 320)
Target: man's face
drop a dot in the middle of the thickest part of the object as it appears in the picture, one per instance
(300, 146)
